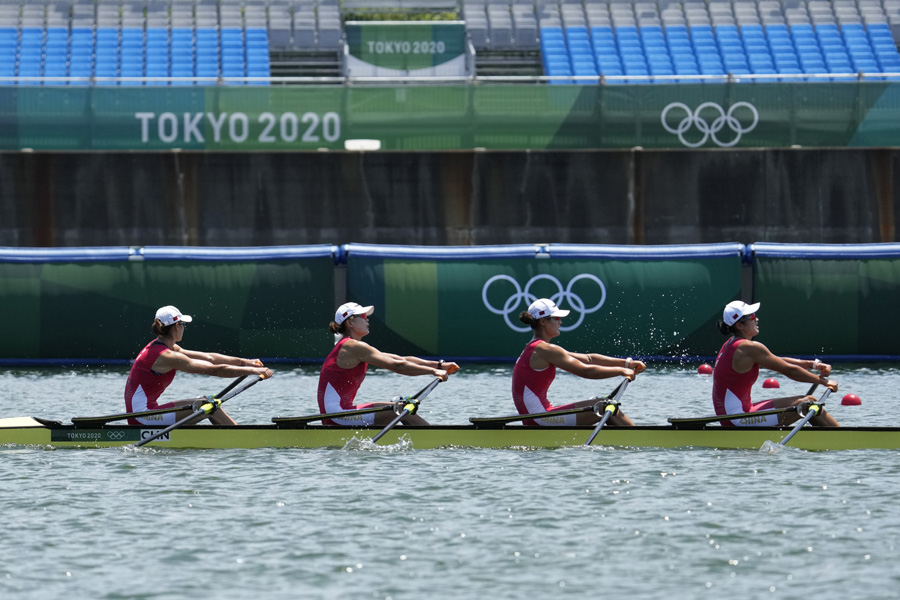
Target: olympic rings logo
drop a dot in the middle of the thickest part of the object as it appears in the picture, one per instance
(115, 435)
(525, 297)
(710, 129)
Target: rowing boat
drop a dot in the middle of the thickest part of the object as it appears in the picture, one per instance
(40, 432)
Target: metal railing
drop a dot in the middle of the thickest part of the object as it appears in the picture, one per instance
(456, 80)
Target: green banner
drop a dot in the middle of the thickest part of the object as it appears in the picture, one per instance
(864, 114)
(405, 45)
(828, 306)
(470, 308)
(104, 310)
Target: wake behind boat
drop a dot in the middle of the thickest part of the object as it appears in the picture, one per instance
(40, 432)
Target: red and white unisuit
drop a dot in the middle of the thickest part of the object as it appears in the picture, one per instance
(338, 387)
(731, 390)
(145, 386)
(529, 390)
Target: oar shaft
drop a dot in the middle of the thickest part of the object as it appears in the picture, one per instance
(415, 402)
(798, 426)
(231, 386)
(612, 406)
(390, 426)
(620, 390)
(813, 411)
(606, 416)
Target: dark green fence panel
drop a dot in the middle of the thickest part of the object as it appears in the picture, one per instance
(254, 303)
(834, 300)
(464, 302)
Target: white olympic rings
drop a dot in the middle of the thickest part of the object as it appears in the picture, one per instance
(526, 297)
(115, 435)
(709, 130)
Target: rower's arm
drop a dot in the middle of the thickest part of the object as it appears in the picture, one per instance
(572, 363)
(182, 361)
(609, 361)
(758, 353)
(809, 365)
(221, 359)
(393, 362)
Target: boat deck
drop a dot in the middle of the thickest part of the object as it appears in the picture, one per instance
(30, 431)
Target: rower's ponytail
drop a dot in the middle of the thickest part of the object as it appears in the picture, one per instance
(526, 318)
(725, 329)
(161, 330)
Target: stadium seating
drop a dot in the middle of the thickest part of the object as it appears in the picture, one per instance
(135, 42)
(203, 42)
(752, 40)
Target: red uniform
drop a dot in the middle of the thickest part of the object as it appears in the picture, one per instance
(529, 389)
(145, 386)
(731, 390)
(338, 387)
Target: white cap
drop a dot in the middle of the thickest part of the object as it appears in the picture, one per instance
(734, 311)
(544, 307)
(345, 311)
(169, 315)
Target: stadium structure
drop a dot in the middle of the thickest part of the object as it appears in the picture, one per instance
(259, 42)
(448, 122)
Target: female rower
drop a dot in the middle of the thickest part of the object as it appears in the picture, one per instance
(536, 368)
(155, 367)
(346, 365)
(737, 368)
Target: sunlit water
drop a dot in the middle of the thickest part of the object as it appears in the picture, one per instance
(396, 522)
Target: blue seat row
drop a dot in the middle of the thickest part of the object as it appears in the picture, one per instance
(110, 52)
(681, 53)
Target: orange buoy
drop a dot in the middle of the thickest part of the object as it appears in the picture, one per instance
(771, 382)
(705, 369)
(851, 400)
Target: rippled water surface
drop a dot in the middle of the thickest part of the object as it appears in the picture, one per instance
(396, 522)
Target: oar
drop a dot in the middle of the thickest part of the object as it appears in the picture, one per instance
(814, 409)
(699, 421)
(412, 404)
(498, 421)
(688, 422)
(334, 415)
(94, 421)
(206, 408)
(612, 407)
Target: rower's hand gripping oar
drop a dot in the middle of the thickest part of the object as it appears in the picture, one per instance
(611, 407)
(102, 420)
(812, 409)
(207, 407)
(411, 404)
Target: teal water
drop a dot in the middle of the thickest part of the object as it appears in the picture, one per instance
(395, 522)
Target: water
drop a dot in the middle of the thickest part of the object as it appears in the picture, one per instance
(395, 522)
